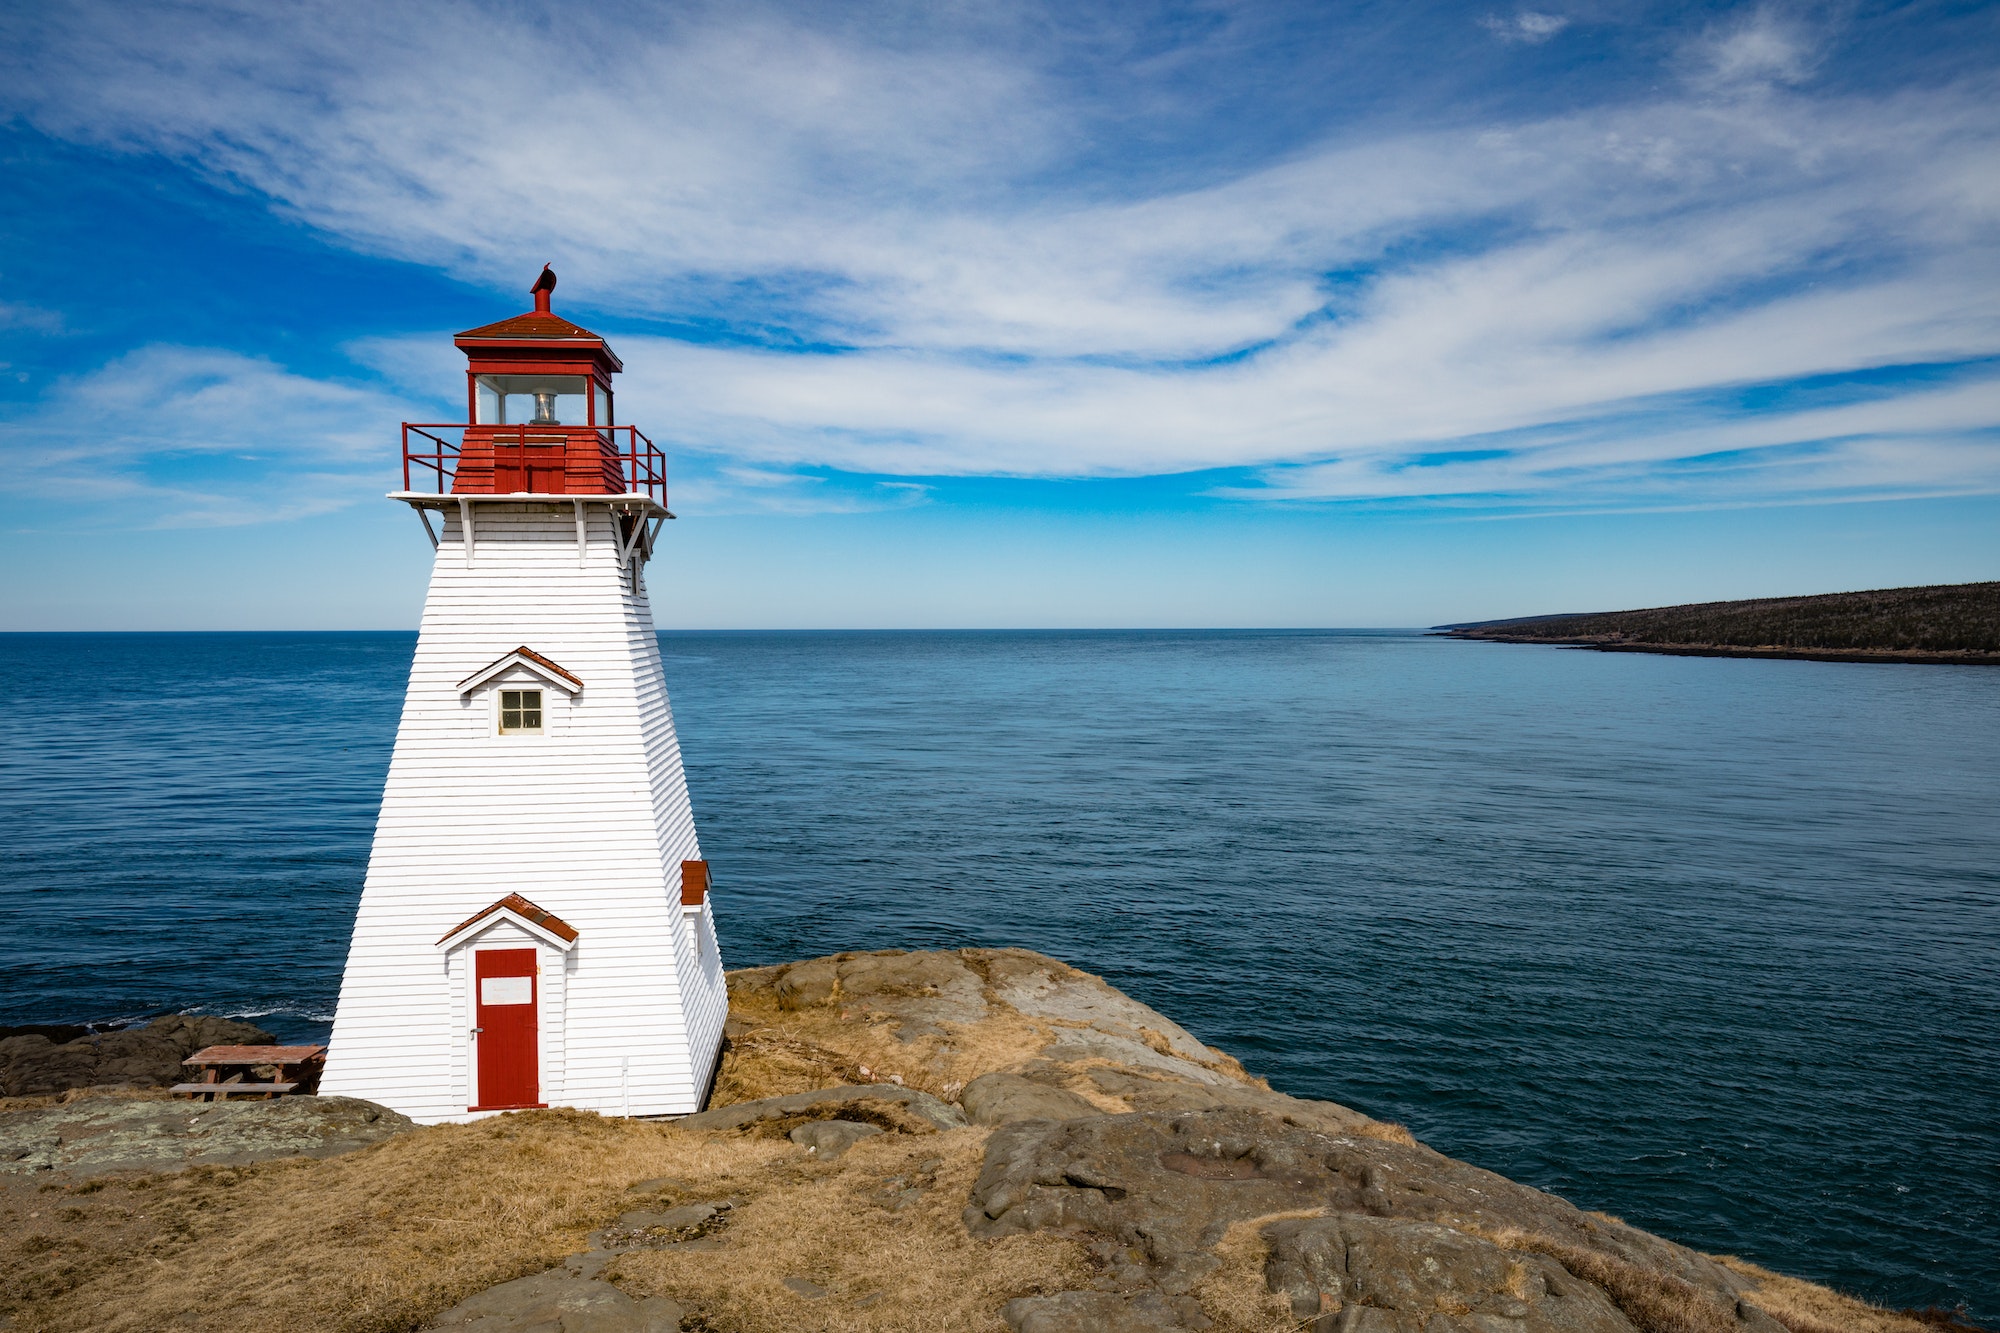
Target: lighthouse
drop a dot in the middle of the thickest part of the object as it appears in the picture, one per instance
(535, 928)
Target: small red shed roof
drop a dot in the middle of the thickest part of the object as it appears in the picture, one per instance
(522, 908)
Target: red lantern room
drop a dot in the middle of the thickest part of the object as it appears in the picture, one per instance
(540, 416)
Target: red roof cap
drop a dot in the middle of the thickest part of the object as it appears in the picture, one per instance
(534, 324)
(537, 328)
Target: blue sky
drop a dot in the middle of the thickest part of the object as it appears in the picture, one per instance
(1020, 314)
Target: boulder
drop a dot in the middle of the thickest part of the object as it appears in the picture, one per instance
(806, 983)
(1001, 1098)
(826, 1139)
(560, 1302)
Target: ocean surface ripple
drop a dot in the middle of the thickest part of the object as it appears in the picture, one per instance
(1708, 944)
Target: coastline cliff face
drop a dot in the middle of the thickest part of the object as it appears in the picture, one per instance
(972, 1139)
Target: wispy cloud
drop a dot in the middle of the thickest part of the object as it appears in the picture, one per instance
(922, 282)
(1756, 49)
(1528, 25)
(178, 436)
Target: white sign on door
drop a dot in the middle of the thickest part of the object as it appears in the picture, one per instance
(506, 990)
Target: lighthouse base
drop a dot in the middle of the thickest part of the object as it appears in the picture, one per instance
(522, 938)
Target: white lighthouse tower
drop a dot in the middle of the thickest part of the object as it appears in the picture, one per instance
(535, 928)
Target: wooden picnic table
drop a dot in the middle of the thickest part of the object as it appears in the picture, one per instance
(229, 1071)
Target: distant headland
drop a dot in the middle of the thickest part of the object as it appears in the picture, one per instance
(1948, 623)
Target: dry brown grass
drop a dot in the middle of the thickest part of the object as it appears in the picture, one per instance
(1655, 1302)
(1807, 1307)
(1234, 1296)
(890, 1261)
(375, 1241)
(1388, 1131)
(381, 1240)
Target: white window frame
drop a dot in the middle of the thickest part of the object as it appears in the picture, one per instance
(500, 692)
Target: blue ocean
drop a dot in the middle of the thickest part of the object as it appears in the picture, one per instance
(1708, 944)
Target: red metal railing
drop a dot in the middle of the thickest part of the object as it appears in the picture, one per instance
(431, 461)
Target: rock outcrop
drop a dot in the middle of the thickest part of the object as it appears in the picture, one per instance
(558, 1302)
(1116, 1128)
(95, 1134)
(1365, 1234)
(142, 1057)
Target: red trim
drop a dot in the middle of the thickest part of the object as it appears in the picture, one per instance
(514, 1106)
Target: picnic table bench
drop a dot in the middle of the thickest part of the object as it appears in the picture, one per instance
(228, 1071)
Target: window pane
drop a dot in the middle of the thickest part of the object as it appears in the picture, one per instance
(514, 396)
(520, 710)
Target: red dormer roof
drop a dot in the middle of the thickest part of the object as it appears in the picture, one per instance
(534, 662)
(522, 908)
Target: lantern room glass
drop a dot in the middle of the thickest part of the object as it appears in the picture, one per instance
(532, 400)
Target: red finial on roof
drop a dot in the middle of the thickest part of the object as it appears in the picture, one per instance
(543, 286)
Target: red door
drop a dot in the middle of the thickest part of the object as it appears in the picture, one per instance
(506, 988)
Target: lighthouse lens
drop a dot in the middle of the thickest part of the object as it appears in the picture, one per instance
(545, 410)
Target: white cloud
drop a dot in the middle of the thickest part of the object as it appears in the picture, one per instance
(1337, 316)
(1755, 50)
(36, 319)
(1529, 26)
(178, 436)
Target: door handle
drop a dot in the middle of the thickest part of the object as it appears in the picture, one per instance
(477, 1031)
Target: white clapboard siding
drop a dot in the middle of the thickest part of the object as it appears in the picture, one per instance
(589, 821)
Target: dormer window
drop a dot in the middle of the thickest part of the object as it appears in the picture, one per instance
(520, 712)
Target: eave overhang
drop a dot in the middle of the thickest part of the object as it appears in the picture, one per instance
(545, 926)
(530, 661)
